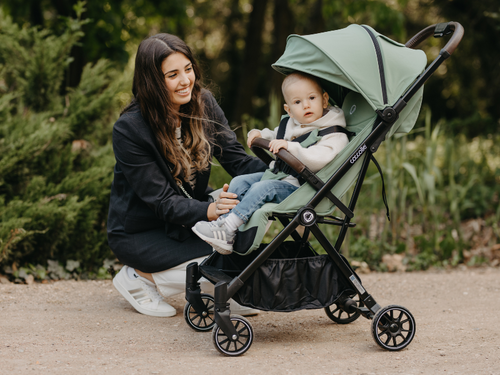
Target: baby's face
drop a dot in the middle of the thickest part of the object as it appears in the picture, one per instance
(305, 101)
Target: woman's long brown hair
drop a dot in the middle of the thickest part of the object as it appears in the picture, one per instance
(150, 92)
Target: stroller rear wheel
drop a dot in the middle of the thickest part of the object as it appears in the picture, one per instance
(234, 346)
(393, 327)
(344, 312)
(204, 321)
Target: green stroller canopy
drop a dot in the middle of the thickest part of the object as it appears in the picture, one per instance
(357, 58)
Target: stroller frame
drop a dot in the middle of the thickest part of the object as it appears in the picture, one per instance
(393, 327)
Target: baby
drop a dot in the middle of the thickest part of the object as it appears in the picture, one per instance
(307, 106)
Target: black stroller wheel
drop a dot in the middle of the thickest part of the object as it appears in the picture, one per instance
(393, 327)
(234, 346)
(344, 313)
(204, 321)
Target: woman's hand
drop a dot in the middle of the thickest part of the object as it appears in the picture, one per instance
(223, 204)
(252, 135)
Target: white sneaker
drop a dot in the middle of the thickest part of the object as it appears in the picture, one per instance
(237, 309)
(216, 234)
(142, 295)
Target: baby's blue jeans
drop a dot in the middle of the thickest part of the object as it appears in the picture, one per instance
(253, 193)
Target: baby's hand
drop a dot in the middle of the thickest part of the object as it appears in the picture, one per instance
(252, 135)
(277, 144)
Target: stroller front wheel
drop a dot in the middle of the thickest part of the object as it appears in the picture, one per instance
(233, 346)
(393, 327)
(204, 321)
(344, 313)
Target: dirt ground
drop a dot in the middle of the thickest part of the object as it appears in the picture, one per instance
(86, 327)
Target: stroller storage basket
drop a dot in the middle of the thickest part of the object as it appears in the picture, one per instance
(293, 278)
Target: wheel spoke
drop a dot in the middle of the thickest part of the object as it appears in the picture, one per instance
(334, 311)
(394, 341)
(382, 334)
(398, 319)
(388, 339)
(383, 329)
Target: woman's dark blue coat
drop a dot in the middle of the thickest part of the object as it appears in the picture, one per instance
(150, 219)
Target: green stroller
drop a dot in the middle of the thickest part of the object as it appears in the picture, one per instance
(379, 85)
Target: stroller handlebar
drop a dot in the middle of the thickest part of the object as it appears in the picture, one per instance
(261, 144)
(439, 30)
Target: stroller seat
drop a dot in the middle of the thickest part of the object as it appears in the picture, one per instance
(359, 118)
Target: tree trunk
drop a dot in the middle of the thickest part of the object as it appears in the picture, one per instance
(316, 22)
(283, 26)
(247, 81)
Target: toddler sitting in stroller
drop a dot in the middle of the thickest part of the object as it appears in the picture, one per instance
(314, 133)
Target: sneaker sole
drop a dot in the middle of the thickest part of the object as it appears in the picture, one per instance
(220, 248)
(124, 292)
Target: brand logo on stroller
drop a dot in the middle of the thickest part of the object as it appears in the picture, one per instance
(308, 216)
(358, 154)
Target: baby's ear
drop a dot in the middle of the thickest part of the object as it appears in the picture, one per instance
(325, 99)
(287, 109)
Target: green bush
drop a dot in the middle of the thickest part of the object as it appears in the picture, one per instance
(56, 157)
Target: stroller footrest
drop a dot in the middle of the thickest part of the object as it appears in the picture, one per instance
(214, 274)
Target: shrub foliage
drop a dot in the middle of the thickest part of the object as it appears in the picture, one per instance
(56, 158)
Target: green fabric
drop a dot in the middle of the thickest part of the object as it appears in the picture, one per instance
(347, 58)
(269, 175)
(311, 139)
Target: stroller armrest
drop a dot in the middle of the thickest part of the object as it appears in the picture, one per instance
(261, 144)
(258, 146)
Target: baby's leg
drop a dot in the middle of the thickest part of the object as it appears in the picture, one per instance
(240, 184)
(266, 191)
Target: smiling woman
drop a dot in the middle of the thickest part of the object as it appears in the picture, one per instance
(179, 77)
(163, 142)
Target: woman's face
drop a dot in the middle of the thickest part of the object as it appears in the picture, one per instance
(179, 78)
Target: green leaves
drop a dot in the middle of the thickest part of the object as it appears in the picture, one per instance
(56, 157)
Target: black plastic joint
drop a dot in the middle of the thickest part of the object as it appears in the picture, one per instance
(388, 115)
(399, 106)
(442, 29)
(444, 53)
(192, 276)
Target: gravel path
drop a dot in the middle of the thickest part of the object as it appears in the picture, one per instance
(86, 327)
